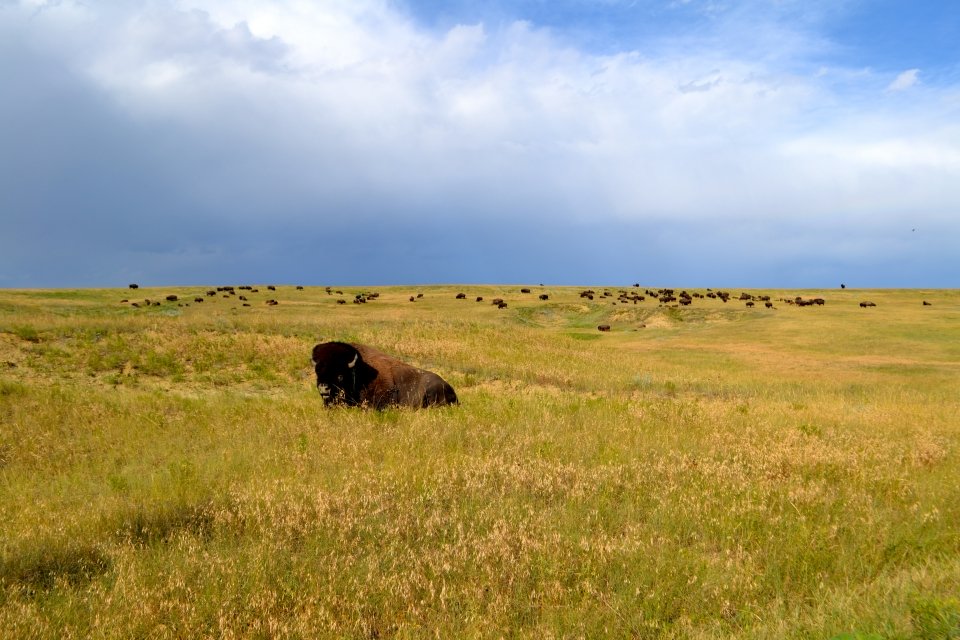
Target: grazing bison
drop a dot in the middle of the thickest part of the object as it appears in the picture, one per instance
(867, 303)
(603, 327)
(358, 375)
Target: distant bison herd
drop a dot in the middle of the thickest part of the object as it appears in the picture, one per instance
(664, 297)
(229, 292)
(359, 375)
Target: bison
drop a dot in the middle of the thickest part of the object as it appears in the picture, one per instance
(358, 375)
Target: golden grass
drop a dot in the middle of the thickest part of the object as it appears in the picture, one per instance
(719, 472)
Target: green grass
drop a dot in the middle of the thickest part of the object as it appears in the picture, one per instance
(703, 472)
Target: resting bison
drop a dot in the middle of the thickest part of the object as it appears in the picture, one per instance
(355, 374)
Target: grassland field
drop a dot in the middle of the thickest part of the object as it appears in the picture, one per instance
(706, 471)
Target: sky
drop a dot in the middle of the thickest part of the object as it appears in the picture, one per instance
(691, 143)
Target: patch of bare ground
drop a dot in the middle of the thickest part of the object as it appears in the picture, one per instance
(658, 321)
(11, 351)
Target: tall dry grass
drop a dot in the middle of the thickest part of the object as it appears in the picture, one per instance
(719, 472)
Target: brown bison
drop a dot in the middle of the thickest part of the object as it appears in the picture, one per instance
(358, 375)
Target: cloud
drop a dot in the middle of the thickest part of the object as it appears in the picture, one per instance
(200, 136)
(905, 80)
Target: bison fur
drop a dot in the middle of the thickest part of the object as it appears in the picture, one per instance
(359, 375)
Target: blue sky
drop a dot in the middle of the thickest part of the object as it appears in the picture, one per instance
(777, 143)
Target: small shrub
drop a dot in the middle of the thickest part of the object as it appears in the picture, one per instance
(43, 566)
(11, 388)
(25, 332)
(149, 525)
(935, 619)
(810, 429)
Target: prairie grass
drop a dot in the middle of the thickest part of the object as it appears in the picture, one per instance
(705, 472)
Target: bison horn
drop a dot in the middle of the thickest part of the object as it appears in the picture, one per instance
(354, 362)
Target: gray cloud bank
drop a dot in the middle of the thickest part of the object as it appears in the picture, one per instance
(206, 141)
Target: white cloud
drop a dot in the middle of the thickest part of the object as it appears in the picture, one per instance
(690, 133)
(905, 80)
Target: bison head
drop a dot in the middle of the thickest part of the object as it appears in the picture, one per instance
(341, 372)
